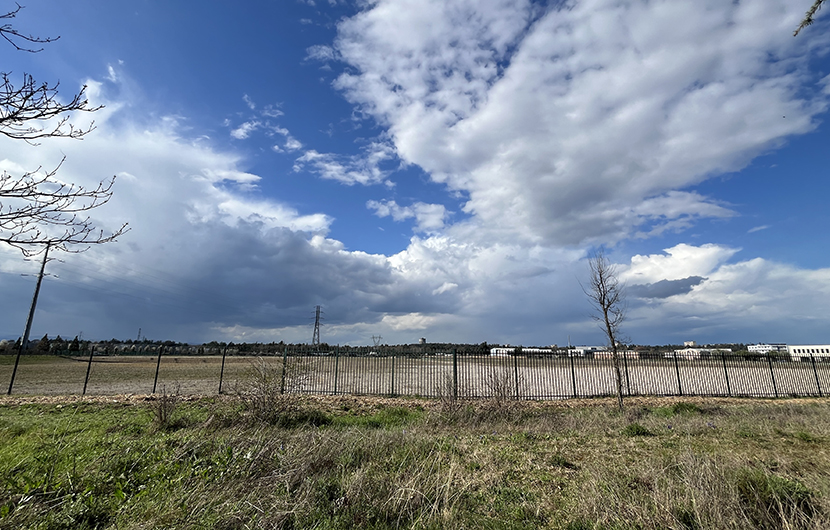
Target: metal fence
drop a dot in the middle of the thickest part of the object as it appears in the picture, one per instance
(427, 373)
(540, 377)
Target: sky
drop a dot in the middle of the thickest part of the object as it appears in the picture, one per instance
(436, 169)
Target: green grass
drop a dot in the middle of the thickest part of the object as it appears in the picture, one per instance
(405, 464)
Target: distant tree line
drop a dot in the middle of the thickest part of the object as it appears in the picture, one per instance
(60, 346)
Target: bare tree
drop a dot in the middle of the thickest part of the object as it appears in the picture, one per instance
(37, 209)
(607, 295)
(808, 18)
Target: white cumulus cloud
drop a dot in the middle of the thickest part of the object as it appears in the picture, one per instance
(586, 121)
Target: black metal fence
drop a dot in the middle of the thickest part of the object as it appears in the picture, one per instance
(462, 373)
(539, 377)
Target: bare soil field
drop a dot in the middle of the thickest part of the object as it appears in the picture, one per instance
(523, 378)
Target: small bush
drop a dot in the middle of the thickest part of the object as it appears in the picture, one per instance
(686, 408)
(269, 393)
(681, 408)
(501, 386)
(771, 501)
(635, 429)
(560, 461)
(164, 406)
(449, 402)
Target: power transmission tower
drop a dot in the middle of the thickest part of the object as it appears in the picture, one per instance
(376, 340)
(315, 340)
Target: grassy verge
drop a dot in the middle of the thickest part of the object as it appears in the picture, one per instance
(351, 463)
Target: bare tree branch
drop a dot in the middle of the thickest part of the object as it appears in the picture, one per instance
(13, 36)
(33, 205)
(37, 210)
(808, 18)
(25, 109)
(607, 295)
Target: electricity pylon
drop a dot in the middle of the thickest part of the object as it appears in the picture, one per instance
(315, 339)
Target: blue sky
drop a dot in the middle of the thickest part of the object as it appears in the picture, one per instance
(436, 169)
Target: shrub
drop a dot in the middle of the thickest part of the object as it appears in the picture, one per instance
(771, 501)
(270, 395)
(635, 429)
(163, 407)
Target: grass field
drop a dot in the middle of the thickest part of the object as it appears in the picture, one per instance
(343, 462)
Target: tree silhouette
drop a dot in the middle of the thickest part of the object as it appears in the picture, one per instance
(36, 208)
(607, 295)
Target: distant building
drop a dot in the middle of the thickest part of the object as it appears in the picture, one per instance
(805, 352)
(422, 340)
(506, 351)
(628, 354)
(690, 344)
(502, 351)
(690, 354)
(766, 348)
(587, 351)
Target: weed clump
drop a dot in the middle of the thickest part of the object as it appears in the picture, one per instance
(772, 501)
(681, 408)
(163, 407)
(636, 429)
(271, 395)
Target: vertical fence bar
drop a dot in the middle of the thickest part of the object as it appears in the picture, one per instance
(516, 374)
(573, 372)
(726, 373)
(772, 375)
(158, 364)
(222, 371)
(88, 368)
(454, 374)
(336, 366)
(677, 371)
(393, 375)
(815, 372)
(627, 382)
(284, 366)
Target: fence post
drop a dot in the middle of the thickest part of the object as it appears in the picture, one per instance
(726, 373)
(393, 375)
(573, 372)
(158, 364)
(222, 371)
(625, 364)
(815, 372)
(677, 370)
(88, 368)
(516, 373)
(284, 366)
(336, 366)
(772, 375)
(454, 373)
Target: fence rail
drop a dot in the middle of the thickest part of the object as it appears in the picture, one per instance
(467, 374)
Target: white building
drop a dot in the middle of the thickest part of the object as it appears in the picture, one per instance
(501, 351)
(691, 354)
(767, 348)
(804, 352)
(628, 354)
(506, 351)
(582, 351)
